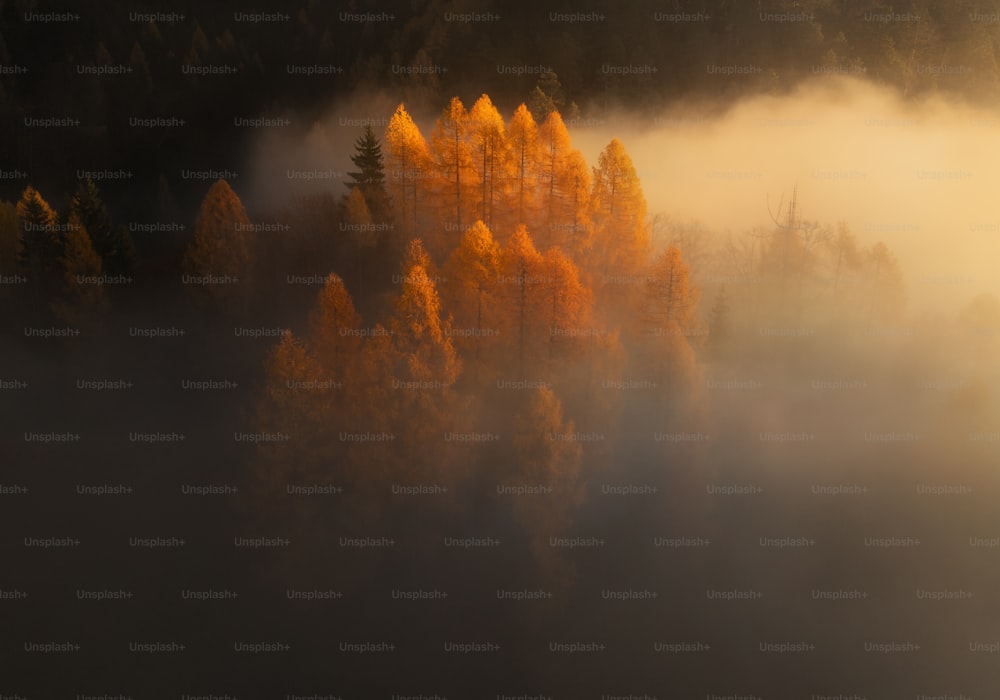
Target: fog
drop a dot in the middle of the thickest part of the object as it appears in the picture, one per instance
(806, 485)
(919, 175)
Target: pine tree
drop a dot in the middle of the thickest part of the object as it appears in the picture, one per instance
(113, 244)
(370, 176)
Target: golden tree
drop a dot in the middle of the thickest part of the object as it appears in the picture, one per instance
(523, 142)
(453, 157)
(489, 154)
(470, 290)
(219, 256)
(621, 213)
(408, 162)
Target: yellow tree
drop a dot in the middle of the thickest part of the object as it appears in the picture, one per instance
(521, 289)
(489, 154)
(288, 406)
(470, 290)
(408, 161)
(333, 329)
(523, 140)
(566, 304)
(453, 157)
(421, 336)
(574, 230)
(553, 152)
(359, 220)
(622, 231)
(218, 259)
(426, 368)
(40, 245)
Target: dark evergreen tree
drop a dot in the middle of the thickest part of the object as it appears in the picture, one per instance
(370, 178)
(113, 244)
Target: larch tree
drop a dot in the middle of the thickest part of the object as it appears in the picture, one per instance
(621, 213)
(453, 156)
(80, 265)
(574, 227)
(290, 404)
(333, 326)
(358, 219)
(418, 328)
(426, 368)
(41, 245)
(522, 292)
(470, 290)
(553, 152)
(220, 251)
(523, 140)
(409, 166)
(488, 142)
(566, 304)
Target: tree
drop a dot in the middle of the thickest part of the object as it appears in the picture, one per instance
(419, 332)
(523, 141)
(489, 151)
(409, 161)
(671, 297)
(80, 266)
(369, 180)
(547, 454)
(553, 153)
(359, 220)
(566, 303)
(454, 160)
(565, 188)
(40, 245)
(472, 273)
(219, 256)
(521, 290)
(332, 329)
(547, 96)
(113, 243)
(669, 314)
(621, 213)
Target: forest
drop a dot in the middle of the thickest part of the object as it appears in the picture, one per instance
(548, 375)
